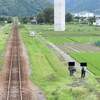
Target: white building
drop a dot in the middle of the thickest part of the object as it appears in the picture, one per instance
(84, 14)
(33, 21)
(97, 22)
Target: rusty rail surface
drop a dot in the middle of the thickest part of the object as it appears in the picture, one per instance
(14, 89)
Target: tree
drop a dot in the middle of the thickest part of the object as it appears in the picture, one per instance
(68, 17)
(49, 15)
(24, 20)
(92, 19)
(40, 18)
(9, 19)
(2, 19)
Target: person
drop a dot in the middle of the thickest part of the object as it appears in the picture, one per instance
(83, 71)
(72, 70)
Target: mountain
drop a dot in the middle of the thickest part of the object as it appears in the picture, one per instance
(22, 7)
(32, 7)
(82, 5)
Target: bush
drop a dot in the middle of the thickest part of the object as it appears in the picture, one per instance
(97, 43)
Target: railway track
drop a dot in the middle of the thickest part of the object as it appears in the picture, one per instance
(14, 80)
(14, 87)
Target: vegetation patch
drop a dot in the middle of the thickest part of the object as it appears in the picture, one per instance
(64, 40)
(97, 43)
(3, 40)
(50, 74)
(70, 29)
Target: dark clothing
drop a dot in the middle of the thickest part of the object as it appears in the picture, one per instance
(71, 70)
(83, 73)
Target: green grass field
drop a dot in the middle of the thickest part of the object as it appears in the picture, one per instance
(52, 76)
(80, 39)
(59, 40)
(63, 40)
(3, 40)
(70, 29)
(93, 60)
(85, 39)
(47, 70)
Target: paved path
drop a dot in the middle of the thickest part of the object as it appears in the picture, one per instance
(67, 57)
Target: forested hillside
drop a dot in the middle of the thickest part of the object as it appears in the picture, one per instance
(22, 7)
(82, 5)
(32, 7)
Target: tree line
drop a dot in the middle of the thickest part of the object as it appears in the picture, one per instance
(4, 20)
(47, 17)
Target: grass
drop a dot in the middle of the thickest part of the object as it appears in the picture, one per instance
(85, 39)
(79, 56)
(59, 40)
(70, 29)
(69, 32)
(47, 70)
(3, 37)
(93, 60)
(51, 75)
(63, 40)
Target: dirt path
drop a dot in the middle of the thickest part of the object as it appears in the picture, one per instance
(67, 57)
(79, 47)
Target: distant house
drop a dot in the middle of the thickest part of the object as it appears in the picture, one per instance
(84, 14)
(97, 22)
(33, 21)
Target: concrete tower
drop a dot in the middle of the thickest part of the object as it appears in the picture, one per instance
(59, 15)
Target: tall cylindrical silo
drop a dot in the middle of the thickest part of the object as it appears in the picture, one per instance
(59, 15)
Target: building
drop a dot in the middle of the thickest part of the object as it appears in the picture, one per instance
(97, 22)
(84, 14)
(34, 21)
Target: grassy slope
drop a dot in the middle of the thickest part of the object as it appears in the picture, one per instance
(3, 38)
(47, 71)
(50, 74)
